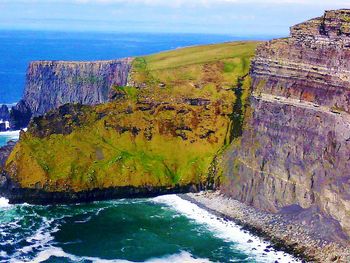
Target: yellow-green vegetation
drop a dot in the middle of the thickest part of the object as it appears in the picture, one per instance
(200, 70)
(163, 129)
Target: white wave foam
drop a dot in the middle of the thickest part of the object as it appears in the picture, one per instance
(3, 254)
(183, 257)
(12, 135)
(4, 202)
(84, 220)
(46, 254)
(9, 105)
(38, 240)
(42, 239)
(253, 246)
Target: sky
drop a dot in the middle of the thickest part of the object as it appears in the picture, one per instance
(232, 17)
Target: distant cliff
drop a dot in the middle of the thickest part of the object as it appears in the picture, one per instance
(295, 147)
(51, 84)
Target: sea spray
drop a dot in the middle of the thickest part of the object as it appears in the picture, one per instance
(259, 250)
(183, 257)
(157, 230)
(9, 135)
(4, 203)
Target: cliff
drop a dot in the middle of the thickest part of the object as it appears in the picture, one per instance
(293, 156)
(50, 84)
(5, 151)
(4, 117)
(20, 115)
(4, 113)
(161, 133)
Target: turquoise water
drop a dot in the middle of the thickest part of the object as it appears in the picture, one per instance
(7, 136)
(164, 229)
(3, 140)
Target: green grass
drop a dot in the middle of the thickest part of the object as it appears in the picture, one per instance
(130, 92)
(199, 71)
(200, 55)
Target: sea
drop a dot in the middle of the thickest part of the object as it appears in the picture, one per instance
(154, 230)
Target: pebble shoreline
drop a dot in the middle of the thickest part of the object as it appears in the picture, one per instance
(283, 234)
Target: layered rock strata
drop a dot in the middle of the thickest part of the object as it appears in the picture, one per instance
(295, 148)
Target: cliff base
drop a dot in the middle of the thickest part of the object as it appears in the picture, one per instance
(280, 229)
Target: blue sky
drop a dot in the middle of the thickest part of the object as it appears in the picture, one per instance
(234, 17)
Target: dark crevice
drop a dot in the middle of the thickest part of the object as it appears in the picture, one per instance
(237, 115)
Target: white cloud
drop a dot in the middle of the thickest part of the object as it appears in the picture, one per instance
(209, 2)
(218, 16)
(191, 2)
(206, 2)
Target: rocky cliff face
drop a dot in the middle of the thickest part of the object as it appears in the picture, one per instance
(20, 115)
(295, 147)
(4, 113)
(5, 152)
(51, 84)
(4, 116)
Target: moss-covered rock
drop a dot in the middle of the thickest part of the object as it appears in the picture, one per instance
(163, 129)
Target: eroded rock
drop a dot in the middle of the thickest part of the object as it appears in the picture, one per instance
(295, 148)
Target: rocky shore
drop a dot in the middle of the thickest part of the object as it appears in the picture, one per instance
(283, 233)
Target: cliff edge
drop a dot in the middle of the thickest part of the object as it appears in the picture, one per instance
(293, 157)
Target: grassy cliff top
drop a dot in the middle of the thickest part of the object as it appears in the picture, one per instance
(183, 64)
(200, 55)
(163, 129)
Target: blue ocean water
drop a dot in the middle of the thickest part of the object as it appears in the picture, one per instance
(8, 136)
(158, 230)
(18, 48)
(3, 140)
